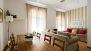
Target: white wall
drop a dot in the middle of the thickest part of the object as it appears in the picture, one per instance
(19, 25)
(18, 8)
(89, 23)
(1, 36)
(51, 18)
(1, 29)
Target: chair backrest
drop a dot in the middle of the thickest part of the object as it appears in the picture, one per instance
(6, 48)
(12, 38)
(9, 47)
(47, 38)
(38, 35)
(58, 45)
(34, 33)
(12, 43)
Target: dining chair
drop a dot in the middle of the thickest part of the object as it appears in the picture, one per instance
(55, 43)
(10, 46)
(7, 47)
(38, 35)
(12, 39)
(47, 38)
(34, 33)
(12, 42)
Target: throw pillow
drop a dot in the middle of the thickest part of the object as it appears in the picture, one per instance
(82, 31)
(74, 31)
(68, 30)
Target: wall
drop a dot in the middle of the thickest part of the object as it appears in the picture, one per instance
(19, 25)
(89, 23)
(1, 36)
(79, 14)
(51, 18)
(1, 29)
(18, 8)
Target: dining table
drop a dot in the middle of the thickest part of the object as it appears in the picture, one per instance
(34, 45)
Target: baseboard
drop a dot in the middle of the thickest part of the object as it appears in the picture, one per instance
(88, 47)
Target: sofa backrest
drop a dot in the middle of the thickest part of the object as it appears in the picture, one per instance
(64, 33)
(78, 29)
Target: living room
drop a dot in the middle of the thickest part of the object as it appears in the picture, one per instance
(19, 25)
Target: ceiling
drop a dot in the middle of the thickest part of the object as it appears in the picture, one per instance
(66, 5)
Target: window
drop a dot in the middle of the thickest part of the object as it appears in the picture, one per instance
(36, 18)
(60, 21)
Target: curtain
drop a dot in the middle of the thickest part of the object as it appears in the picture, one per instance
(60, 21)
(36, 18)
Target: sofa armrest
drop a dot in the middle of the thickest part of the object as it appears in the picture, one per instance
(73, 40)
(81, 35)
(64, 31)
(86, 34)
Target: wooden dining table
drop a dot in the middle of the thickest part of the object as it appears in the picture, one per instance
(34, 45)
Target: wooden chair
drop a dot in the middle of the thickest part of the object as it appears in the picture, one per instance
(34, 33)
(56, 44)
(47, 38)
(12, 39)
(11, 44)
(38, 35)
(8, 47)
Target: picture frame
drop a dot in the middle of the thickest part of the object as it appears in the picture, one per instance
(77, 23)
(1, 15)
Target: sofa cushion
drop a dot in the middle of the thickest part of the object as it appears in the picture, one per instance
(82, 31)
(65, 34)
(74, 31)
(80, 35)
(68, 30)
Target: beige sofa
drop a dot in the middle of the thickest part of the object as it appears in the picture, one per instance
(71, 44)
(83, 37)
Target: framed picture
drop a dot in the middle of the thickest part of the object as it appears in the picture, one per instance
(77, 23)
(1, 15)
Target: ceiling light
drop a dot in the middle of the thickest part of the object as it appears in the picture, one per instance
(60, 10)
(36, 4)
(62, 0)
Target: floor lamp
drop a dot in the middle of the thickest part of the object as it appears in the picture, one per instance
(9, 19)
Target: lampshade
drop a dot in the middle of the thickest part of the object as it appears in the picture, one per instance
(9, 18)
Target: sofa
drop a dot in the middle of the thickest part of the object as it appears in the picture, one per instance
(80, 32)
(51, 30)
(71, 44)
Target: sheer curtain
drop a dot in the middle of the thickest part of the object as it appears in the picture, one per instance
(60, 21)
(36, 18)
